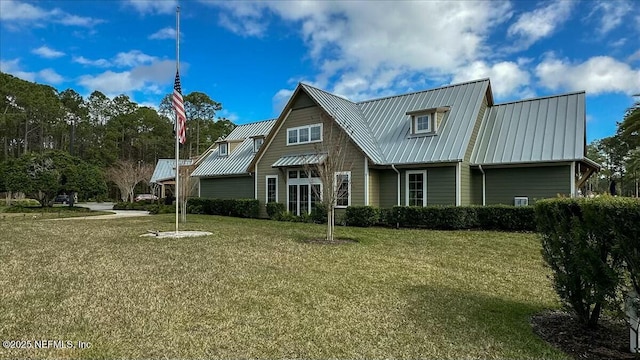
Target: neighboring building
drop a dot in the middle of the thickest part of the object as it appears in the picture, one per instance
(164, 175)
(447, 146)
(223, 169)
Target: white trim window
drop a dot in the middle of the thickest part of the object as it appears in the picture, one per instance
(416, 188)
(422, 123)
(223, 149)
(257, 143)
(304, 134)
(304, 191)
(343, 189)
(271, 188)
(521, 201)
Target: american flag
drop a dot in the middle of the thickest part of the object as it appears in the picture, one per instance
(178, 106)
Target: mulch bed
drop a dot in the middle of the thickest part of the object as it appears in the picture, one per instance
(609, 341)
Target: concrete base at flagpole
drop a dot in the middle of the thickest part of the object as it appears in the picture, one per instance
(179, 235)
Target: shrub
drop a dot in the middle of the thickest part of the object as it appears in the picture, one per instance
(162, 209)
(275, 210)
(507, 218)
(249, 208)
(363, 216)
(577, 244)
(432, 217)
(319, 214)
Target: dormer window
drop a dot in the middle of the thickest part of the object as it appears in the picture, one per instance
(223, 149)
(257, 143)
(422, 123)
(427, 121)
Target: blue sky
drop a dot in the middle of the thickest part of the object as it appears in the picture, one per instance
(250, 55)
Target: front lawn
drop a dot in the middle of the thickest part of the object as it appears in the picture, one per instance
(255, 289)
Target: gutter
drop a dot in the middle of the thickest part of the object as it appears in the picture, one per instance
(484, 186)
(393, 166)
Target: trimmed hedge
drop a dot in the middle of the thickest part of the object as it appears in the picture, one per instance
(275, 210)
(246, 208)
(586, 242)
(505, 218)
(363, 216)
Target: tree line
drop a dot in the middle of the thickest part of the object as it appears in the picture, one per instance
(619, 156)
(43, 128)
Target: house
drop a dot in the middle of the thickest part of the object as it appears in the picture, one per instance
(223, 169)
(447, 146)
(164, 175)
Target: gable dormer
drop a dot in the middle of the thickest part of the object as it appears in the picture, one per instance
(426, 122)
(257, 142)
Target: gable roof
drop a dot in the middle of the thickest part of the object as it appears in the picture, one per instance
(390, 124)
(166, 169)
(238, 160)
(535, 130)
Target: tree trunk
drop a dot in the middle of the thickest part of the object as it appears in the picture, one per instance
(595, 315)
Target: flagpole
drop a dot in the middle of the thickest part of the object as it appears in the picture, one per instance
(177, 127)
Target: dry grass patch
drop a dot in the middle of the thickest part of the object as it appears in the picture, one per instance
(256, 289)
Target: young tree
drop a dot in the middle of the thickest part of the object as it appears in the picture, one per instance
(331, 166)
(187, 189)
(126, 174)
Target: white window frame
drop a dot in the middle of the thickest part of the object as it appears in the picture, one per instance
(414, 123)
(225, 146)
(266, 187)
(302, 181)
(256, 147)
(335, 190)
(518, 199)
(424, 185)
(297, 132)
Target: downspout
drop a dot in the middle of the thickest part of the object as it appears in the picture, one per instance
(398, 172)
(484, 186)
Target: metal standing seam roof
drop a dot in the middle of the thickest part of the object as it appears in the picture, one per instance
(350, 117)
(390, 125)
(165, 169)
(299, 160)
(534, 130)
(239, 159)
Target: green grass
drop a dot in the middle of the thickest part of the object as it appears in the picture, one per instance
(255, 289)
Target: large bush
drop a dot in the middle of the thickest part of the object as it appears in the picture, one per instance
(506, 218)
(578, 241)
(363, 216)
(248, 208)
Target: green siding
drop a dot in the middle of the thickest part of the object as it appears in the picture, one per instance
(277, 147)
(388, 190)
(476, 129)
(476, 187)
(374, 188)
(502, 185)
(227, 188)
(441, 186)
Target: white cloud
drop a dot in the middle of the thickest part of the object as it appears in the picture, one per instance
(153, 6)
(14, 68)
(366, 49)
(540, 23)
(507, 77)
(144, 78)
(50, 76)
(634, 57)
(610, 14)
(280, 100)
(84, 61)
(133, 58)
(165, 33)
(47, 52)
(597, 75)
(18, 11)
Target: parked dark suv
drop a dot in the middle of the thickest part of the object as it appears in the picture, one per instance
(61, 199)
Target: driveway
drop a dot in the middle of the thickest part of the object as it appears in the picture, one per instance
(106, 206)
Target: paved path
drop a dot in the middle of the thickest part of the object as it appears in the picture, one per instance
(106, 206)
